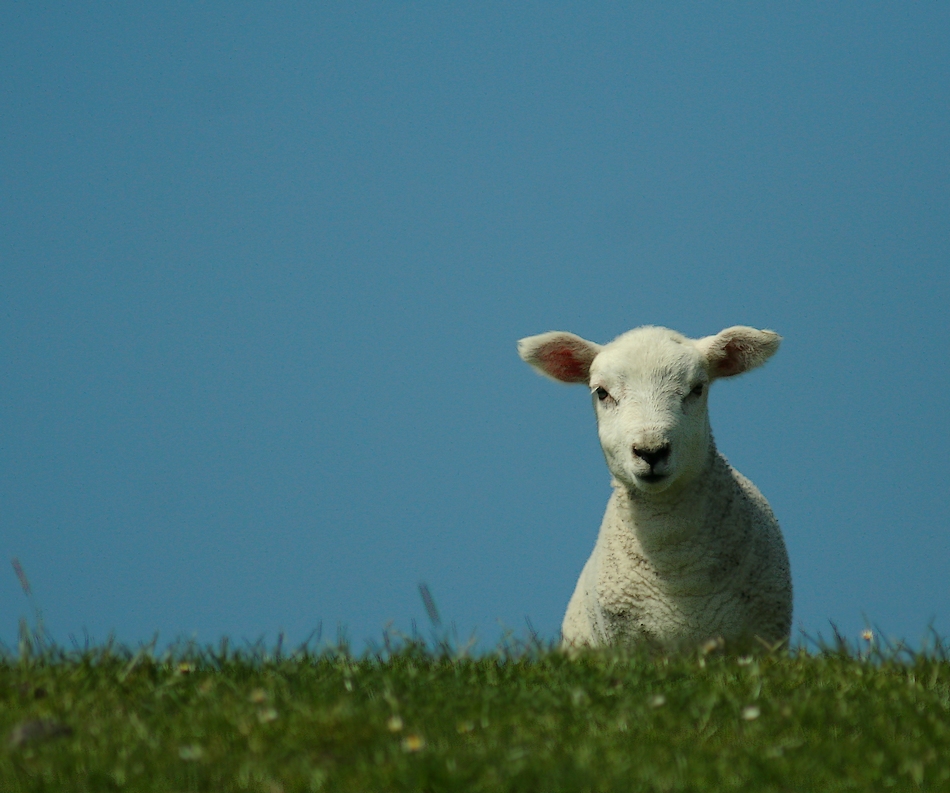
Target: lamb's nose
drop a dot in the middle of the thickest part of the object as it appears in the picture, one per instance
(652, 456)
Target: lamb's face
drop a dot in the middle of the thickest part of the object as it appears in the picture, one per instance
(649, 389)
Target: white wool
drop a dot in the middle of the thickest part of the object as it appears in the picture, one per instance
(688, 549)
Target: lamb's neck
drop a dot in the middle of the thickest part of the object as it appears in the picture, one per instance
(663, 520)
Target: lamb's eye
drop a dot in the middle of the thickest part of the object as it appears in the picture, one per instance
(601, 393)
(697, 390)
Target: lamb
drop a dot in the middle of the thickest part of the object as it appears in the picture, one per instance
(689, 550)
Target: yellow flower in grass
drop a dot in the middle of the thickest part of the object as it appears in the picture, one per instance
(413, 743)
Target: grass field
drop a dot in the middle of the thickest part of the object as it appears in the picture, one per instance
(524, 718)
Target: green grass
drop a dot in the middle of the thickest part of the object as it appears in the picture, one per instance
(417, 719)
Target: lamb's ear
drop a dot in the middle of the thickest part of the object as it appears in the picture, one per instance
(738, 349)
(561, 356)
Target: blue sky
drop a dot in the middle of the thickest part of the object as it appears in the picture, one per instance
(263, 268)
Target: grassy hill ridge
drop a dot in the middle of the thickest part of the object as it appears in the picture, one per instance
(527, 719)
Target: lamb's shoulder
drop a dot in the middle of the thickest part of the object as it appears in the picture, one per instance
(749, 563)
(749, 527)
(631, 602)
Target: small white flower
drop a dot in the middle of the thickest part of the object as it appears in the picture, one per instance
(266, 715)
(751, 712)
(190, 752)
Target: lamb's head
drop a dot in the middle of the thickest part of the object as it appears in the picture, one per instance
(649, 388)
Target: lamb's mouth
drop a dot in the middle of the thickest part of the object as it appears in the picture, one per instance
(651, 477)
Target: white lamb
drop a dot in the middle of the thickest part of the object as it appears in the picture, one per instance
(689, 550)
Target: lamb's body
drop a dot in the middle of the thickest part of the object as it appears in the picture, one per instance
(711, 564)
(688, 550)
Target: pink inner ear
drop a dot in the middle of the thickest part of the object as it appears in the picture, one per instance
(562, 363)
(732, 359)
(727, 367)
